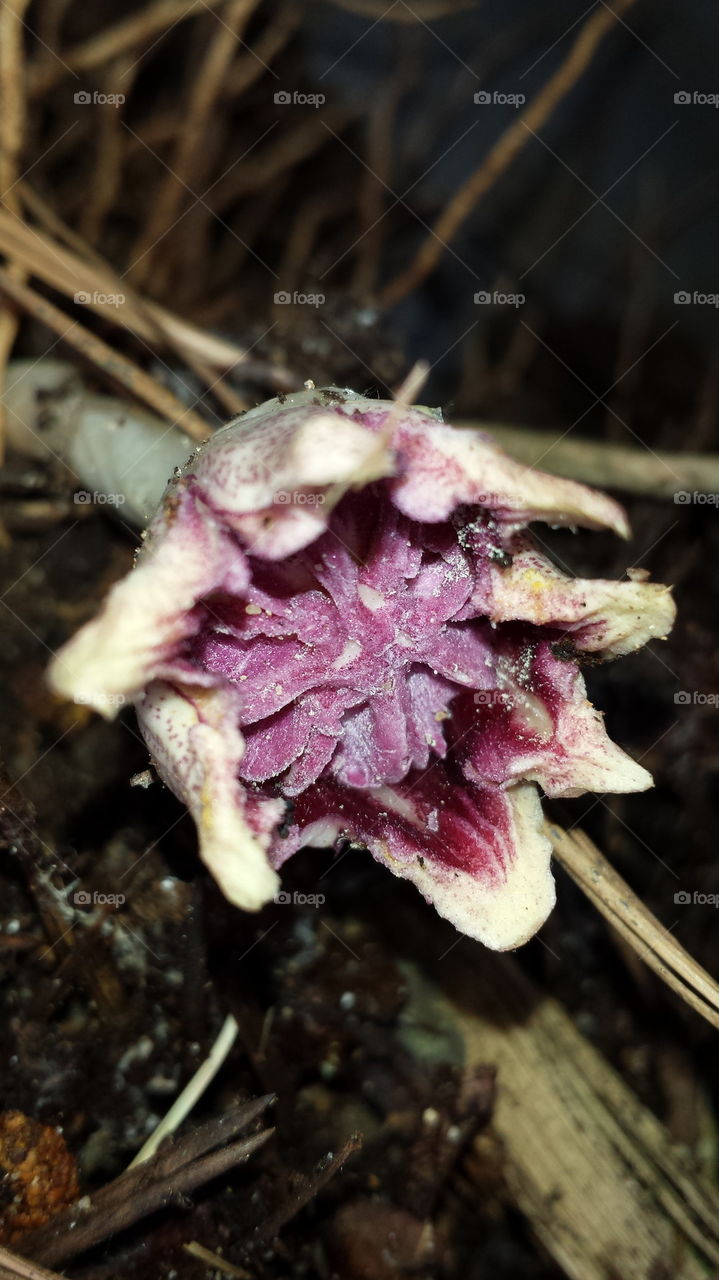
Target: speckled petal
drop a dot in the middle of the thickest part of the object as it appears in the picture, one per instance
(147, 616)
(478, 854)
(197, 748)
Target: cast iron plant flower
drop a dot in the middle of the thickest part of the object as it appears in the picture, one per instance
(339, 628)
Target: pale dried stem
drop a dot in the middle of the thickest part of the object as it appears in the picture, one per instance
(626, 913)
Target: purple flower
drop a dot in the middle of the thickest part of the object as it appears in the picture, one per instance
(339, 628)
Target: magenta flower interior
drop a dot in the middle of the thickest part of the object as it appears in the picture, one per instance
(341, 629)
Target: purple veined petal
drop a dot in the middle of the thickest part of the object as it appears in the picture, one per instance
(147, 616)
(540, 727)
(477, 854)
(599, 616)
(197, 749)
(304, 734)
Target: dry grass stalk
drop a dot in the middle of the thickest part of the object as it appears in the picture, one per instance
(115, 367)
(12, 127)
(634, 922)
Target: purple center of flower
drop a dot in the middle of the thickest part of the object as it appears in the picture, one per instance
(348, 655)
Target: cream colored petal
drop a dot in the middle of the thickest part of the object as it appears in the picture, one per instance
(197, 748)
(147, 614)
(611, 618)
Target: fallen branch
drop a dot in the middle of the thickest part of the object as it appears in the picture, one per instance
(13, 1267)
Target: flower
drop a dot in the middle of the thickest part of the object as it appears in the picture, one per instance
(339, 628)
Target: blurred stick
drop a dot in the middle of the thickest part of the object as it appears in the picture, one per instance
(141, 27)
(75, 272)
(115, 367)
(626, 913)
(13, 1267)
(608, 466)
(505, 150)
(186, 168)
(12, 127)
(592, 1169)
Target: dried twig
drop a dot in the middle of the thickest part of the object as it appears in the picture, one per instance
(187, 167)
(175, 1170)
(12, 124)
(196, 1250)
(139, 28)
(634, 922)
(594, 1172)
(505, 150)
(116, 367)
(13, 1267)
(71, 272)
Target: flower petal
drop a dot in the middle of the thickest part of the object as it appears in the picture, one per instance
(147, 616)
(197, 748)
(443, 468)
(478, 854)
(541, 727)
(612, 618)
(276, 473)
